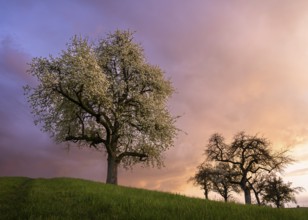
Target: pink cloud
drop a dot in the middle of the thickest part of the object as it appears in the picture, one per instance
(236, 66)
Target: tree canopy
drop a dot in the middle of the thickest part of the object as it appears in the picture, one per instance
(221, 177)
(277, 192)
(106, 96)
(215, 178)
(203, 178)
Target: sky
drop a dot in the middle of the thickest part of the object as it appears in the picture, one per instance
(236, 65)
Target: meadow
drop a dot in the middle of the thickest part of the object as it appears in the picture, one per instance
(67, 198)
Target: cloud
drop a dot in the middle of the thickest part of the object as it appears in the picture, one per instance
(12, 77)
(236, 66)
(299, 172)
(241, 68)
(13, 61)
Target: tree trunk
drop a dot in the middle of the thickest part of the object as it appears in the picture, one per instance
(112, 170)
(225, 198)
(258, 199)
(206, 194)
(257, 196)
(226, 194)
(247, 195)
(277, 202)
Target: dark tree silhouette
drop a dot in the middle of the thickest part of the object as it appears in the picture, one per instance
(203, 178)
(221, 177)
(257, 184)
(248, 155)
(278, 193)
(216, 179)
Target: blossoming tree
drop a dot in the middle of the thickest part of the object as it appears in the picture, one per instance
(105, 96)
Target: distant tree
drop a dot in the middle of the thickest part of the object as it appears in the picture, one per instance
(248, 155)
(105, 96)
(278, 193)
(221, 177)
(203, 178)
(216, 179)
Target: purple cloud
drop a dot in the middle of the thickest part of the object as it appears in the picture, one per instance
(236, 66)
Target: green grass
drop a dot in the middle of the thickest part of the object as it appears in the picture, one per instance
(65, 198)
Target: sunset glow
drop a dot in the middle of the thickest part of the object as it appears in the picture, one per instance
(236, 66)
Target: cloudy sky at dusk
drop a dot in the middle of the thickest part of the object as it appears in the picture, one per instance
(236, 65)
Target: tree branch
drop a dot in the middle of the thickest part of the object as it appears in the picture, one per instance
(92, 140)
(105, 123)
(142, 156)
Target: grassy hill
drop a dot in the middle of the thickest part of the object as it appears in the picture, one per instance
(65, 198)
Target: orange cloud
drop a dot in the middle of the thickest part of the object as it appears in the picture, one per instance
(236, 65)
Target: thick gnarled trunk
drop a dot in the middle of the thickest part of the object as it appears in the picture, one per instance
(247, 195)
(112, 170)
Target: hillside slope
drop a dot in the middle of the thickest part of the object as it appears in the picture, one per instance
(66, 198)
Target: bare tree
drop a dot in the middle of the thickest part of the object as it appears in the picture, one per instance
(247, 155)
